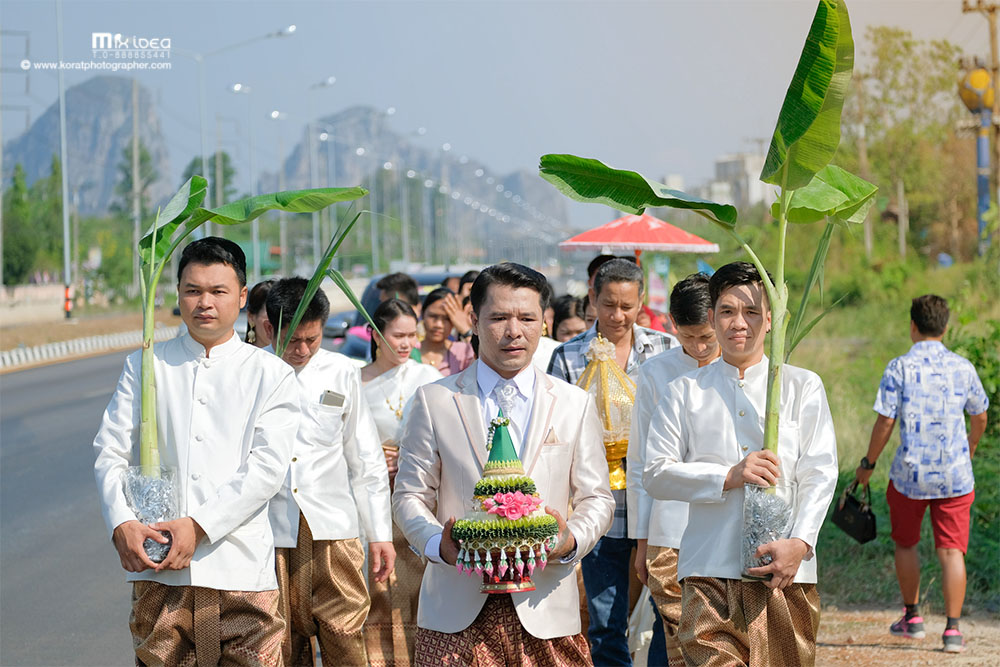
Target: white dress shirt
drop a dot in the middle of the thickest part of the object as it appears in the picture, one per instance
(487, 379)
(543, 353)
(338, 471)
(662, 522)
(707, 422)
(226, 424)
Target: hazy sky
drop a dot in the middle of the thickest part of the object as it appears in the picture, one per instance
(662, 87)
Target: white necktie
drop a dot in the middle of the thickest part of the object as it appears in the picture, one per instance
(505, 394)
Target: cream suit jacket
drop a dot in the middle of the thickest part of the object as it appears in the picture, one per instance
(442, 454)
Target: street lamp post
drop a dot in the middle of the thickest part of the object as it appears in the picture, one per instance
(242, 89)
(282, 221)
(199, 58)
(313, 168)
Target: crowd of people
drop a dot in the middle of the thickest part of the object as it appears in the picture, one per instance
(317, 493)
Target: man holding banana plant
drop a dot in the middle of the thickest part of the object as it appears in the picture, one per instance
(704, 446)
(337, 474)
(214, 597)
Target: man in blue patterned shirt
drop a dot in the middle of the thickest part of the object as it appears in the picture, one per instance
(929, 389)
(617, 294)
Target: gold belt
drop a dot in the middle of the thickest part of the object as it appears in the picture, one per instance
(615, 453)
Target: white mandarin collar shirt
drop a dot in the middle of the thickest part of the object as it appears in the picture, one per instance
(225, 424)
(487, 379)
(337, 472)
(709, 420)
(662, 522)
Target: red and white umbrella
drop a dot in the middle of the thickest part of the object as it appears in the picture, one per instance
(638, 233)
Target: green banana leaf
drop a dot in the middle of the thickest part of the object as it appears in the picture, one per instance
(178, 209)
(592, 181)
(338, 278)
(241, 211)
(832, 193)
(808, 129)
(313, 285)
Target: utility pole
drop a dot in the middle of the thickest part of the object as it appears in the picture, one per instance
(863, 165)
(67, 303)
(989, 10)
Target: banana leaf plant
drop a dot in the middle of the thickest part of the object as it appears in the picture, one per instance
(182, 215)
(323, 270)
(810, 189)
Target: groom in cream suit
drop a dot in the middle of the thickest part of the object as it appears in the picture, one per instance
(557, 435)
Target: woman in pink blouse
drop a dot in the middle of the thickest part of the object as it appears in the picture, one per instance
(442, 312)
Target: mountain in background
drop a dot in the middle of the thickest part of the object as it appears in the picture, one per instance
(482, 207)
(98, 128)
(458, 201)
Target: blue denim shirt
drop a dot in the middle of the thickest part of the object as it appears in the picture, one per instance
(928, 389)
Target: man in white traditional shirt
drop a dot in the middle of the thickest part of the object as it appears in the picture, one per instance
(657, 525)
(704, 445)
(337, 474)
(617, 294)
(555, 432)
(227, 413)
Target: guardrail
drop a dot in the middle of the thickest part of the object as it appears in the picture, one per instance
(27, 356)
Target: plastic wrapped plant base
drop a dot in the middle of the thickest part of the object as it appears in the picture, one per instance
(153, 498)
(767, 516)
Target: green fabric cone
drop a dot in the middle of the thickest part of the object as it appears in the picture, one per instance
(502, 454)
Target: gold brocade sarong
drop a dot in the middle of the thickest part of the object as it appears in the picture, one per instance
(497, 639)
(731, 622)
(191, 625)
(614, 393)
(661, 568)
(392, 621)
(323, 595)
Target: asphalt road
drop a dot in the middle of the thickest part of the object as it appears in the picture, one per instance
(63, 596)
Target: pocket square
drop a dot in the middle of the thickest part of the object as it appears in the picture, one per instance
(551, 438)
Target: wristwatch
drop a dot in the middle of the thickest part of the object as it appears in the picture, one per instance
(866, 464)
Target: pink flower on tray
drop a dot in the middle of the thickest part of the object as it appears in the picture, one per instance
(511, 506)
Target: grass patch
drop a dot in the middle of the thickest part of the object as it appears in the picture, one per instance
(850, 350)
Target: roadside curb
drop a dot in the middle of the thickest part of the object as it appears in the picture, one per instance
(24, 357)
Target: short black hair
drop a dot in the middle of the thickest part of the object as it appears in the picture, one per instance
(731, 275)
(618, 270)
(467, 277)
(400, 286)
(513, 275)
(284, 299)
(930, 313)
(596, 264)
(690, 301)
(387, 312)
(565, 307)
(214, 250)
(434, 296)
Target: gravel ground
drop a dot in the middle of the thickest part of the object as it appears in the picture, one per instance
(861, 637)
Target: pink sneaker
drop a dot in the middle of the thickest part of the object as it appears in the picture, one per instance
(912, 627)
(953, 641)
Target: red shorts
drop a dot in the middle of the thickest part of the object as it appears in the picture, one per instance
(949, 518)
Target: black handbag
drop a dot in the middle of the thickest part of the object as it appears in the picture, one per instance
(855, 516)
